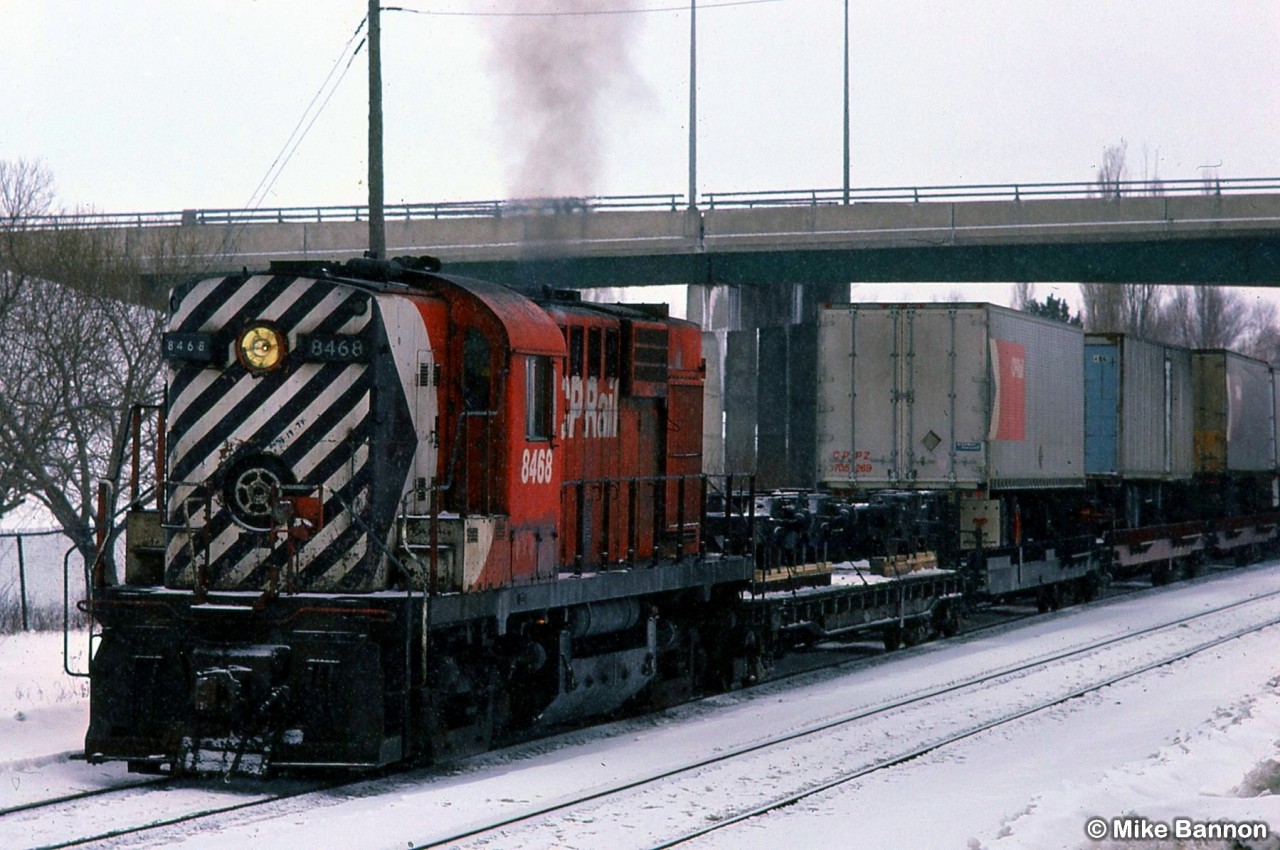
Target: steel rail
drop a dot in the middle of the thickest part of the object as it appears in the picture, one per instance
(1002, 720)
(77, 796)
(185, 817)
(202, 813)
(856, 716)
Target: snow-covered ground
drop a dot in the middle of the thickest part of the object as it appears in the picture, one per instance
(43, 711)
(1199, 739)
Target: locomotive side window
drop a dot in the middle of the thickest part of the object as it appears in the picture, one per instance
(593, 353)
(537, 398)
(575, 352)
(611, 353)
(475, 371)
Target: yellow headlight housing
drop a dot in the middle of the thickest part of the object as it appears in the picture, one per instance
(261, 347)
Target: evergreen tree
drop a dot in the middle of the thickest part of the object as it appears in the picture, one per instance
(1053, 307)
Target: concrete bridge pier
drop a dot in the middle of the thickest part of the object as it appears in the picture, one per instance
(760, 346)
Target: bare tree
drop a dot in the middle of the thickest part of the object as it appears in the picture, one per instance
(1133, 308)
(1192, 316)
(1102, 307)
(79, 351)
(1114, 170)
(1206, 316)
(1261, 336)
(26, 190)
(1024, 294)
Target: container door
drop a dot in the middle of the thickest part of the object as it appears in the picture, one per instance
(942, 440)
(871, 380)
(1101, 408)
(943, 352)
(856, 352)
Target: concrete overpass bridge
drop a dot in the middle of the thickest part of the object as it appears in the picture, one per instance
(759, 263)
(1227, 232)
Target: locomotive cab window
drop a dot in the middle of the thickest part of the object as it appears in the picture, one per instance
(593, 353)
(475, 371)
(611, 353)
(575, 352)
(537, 399)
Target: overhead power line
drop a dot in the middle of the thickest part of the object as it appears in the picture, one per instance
(574, 14)
(305, 122)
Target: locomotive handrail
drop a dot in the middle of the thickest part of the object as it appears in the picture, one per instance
(355, 516)
(66, 617)
(131, 423)
(106, 526)
(643, 479)
(632, 481)
(456, 452)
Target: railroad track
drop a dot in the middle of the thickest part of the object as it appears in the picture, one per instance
(990, 620)
(131, 810)
(49, 803)
(135, 809)
(1183, 638)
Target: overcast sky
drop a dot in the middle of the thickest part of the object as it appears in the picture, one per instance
(168, 105)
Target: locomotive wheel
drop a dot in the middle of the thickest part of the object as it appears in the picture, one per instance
(1087, 588)
(1048, 599)
(1159, 575)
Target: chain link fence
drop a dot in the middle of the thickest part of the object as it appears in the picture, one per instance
(31, 580)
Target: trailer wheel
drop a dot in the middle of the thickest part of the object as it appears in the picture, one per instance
(892, 638)
(915, 633)
(947, 622)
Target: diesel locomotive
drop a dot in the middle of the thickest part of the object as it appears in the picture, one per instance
(401, 514)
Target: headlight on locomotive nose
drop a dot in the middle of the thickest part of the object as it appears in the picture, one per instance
(261, 348)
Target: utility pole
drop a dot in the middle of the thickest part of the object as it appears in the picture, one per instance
(693, 103)
(377, 218)
(846, 101)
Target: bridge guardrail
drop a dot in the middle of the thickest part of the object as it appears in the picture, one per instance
(356, 212)
(991, 192)
(662, 202)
